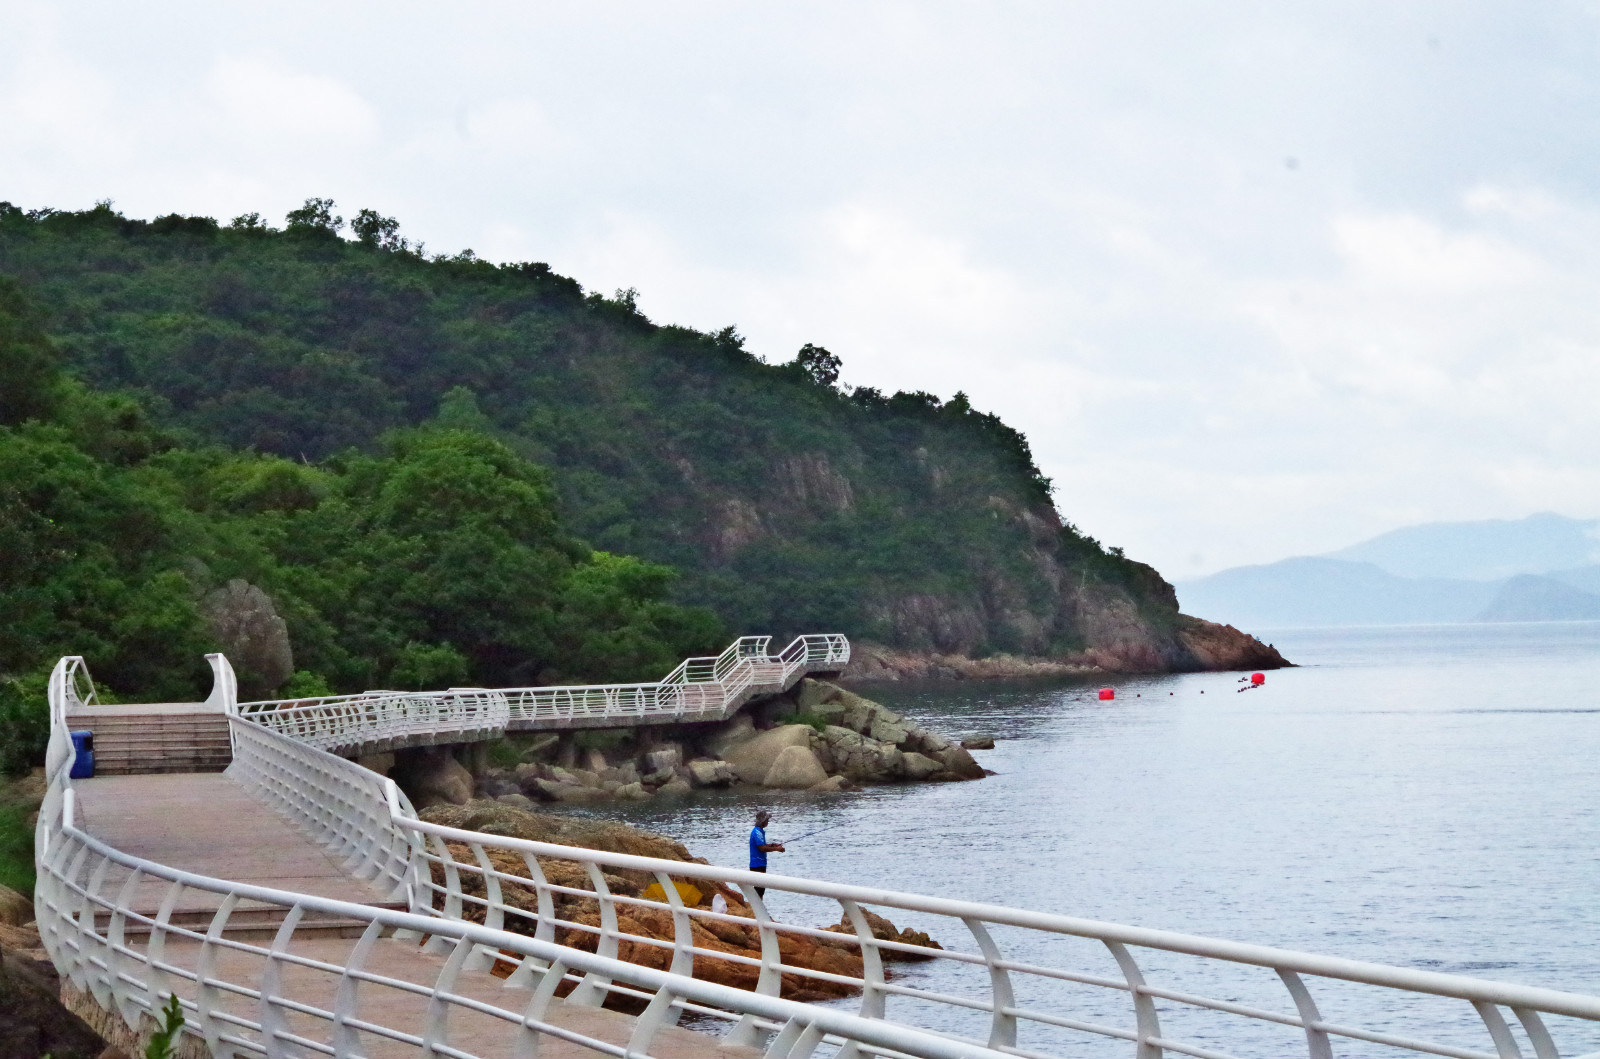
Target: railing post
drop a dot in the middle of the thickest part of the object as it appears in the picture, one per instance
(1144, 1005)
(273, 1023)
(592, 991)
(1538, 1036)
(1505, 1045)
(347, 1002)
(1002, 1023)
(1317, 1044)
(872, 994)
(207, 998)
(770, 981)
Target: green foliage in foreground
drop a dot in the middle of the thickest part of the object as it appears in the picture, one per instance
(164, 1041)
(438, 558)
(16, 849)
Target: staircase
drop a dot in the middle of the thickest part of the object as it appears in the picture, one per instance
(161, 737)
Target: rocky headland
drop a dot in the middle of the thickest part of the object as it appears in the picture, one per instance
(1190, 644)
(817, 737)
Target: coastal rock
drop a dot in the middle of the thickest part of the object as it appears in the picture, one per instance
(595, 761)
(676, 785)
(831, 785)
(431, 775)
(516, 801)
(918, 767)
(978, 742)
(737, 730)
(795, 768)
(753, 758)
(887, 732)
(960, 764)
(1224, 647)
(664, 758)
(379, 763)
(621, 775)
(811, 694)
(704, 772)
(632, 792)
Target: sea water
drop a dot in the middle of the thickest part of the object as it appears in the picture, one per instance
(1419, 796)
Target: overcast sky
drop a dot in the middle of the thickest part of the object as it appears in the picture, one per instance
(1255, 279)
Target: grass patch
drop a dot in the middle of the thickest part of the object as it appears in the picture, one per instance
(16, 849)
(815, 720)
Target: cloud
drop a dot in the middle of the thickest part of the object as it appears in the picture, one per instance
(267, 106)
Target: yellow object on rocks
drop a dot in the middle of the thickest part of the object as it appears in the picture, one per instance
(687, 891)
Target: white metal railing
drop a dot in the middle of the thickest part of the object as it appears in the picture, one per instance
(709, 688)
(1011, 981)
(1018, 952)
(250, 998)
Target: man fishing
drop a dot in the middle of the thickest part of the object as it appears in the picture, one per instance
(760, 847)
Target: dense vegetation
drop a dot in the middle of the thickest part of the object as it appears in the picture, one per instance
(437, 558)
(415, 457)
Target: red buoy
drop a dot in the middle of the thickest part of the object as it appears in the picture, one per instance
(1258, 678)
(1107, 693)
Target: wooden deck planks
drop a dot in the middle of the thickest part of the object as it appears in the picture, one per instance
(207, 824)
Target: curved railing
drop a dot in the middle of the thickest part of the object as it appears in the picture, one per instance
(1010, 981)
(241, 997)
(699, 689)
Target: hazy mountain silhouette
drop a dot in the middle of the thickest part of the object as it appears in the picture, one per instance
(1545, 567)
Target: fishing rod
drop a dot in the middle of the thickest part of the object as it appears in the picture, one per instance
(818, 831)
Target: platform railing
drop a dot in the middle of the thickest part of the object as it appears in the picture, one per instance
(249, 998)
(489, 900)
(1017, 952)
(699, 689)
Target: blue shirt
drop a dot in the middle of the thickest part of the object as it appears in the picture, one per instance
(758, 857)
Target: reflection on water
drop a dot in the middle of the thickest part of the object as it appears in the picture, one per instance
(1414, 796)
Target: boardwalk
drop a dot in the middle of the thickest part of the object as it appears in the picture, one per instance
(210, 825)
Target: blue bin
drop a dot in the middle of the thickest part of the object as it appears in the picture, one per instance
(83, 755)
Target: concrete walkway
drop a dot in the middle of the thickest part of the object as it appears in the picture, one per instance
(207, 824)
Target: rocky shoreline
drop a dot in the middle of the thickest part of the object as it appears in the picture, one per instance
(1208, 646)
(816, 737)
(714, 934)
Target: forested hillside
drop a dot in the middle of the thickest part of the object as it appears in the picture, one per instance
(325, 404)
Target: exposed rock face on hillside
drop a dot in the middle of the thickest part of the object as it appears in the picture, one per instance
(788, 503)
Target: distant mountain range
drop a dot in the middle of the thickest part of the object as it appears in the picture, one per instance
(1545, 567)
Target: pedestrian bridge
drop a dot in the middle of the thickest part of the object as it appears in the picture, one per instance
(296, 906)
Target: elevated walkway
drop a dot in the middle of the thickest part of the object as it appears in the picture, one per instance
(211, 825)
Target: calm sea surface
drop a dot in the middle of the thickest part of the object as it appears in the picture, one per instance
(1424, 797)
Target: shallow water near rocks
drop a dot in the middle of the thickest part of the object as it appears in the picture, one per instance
(1424, 797)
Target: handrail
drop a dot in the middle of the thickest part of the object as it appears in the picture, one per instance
(105, 964)
(699, 689)
(483, 899)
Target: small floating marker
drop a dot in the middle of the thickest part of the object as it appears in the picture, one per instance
(1107, 693)
(1258, 678)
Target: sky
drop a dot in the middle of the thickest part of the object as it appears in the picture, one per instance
(1255, 279)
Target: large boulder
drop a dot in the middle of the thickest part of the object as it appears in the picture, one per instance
(753, 758)
(663, 758)
(432, 776)
(919, 767)
(246, 626)
(814, 693)
(705, 772)
(736, 730)
(795, 768)
(960, 764)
